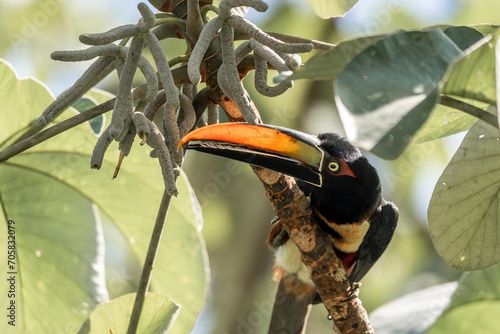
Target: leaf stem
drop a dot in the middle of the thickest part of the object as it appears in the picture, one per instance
(485, 116)
(149, 263)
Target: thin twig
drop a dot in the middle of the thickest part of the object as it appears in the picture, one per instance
(485, 116)
(318, 45)
(55, 130)
(147, 269)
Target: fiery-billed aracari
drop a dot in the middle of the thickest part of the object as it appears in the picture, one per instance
(345, 197)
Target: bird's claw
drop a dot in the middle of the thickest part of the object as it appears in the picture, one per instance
(353, 292)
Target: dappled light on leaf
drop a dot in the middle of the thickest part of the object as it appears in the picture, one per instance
(444, 121)
(463, 213)
(387, 91)
(474, 305)
(331, 8)
(114, 316)
(54, 197)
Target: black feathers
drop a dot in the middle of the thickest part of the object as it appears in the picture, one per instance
(342, 198)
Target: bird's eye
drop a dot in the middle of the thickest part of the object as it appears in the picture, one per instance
(334, 167)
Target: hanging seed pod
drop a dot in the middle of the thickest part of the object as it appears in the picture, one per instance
(172, 134)
(269, 56)
(153, 106)
(166, 78)
(207, 34)
(87, 54)
(124, 103)
(213, 114)
(252, 30)
(226, 6)
(148, 17)
(100, 149)
(71, 95)
(261, 80)
(125, 145)
(110, 36)
(141, 126)
(188, 116)
(158, 144)
(230, 79)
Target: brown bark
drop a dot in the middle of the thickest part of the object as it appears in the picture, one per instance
(326, 269)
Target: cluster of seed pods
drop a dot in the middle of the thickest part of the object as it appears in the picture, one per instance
(179, 116)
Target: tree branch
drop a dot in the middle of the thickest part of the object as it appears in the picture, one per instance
(326, 269)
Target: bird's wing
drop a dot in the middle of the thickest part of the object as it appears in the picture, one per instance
(382, 225)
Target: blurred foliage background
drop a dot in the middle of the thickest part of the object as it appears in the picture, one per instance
(236, 212)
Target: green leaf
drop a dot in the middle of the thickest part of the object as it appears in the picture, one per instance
(387, 91)
(58, 203)
(474, 306)
(329, 64)
(331, 8)
(158, 313)
(473, 77)
(413, 313)
(444, 121)
(472, 318)
(85, 103)
(463, 37)
(463, 212)
(477, 286)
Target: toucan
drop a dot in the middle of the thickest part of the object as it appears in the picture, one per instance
(345, 197)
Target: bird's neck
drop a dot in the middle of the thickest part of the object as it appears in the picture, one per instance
(345, 237)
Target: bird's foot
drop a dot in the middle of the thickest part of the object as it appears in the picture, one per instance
(353, 292)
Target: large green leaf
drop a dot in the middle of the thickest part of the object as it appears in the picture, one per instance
(56, 201)
(413, 313)
(474, 306)
(464, 210)
(473, 76)
(331, 8)
(158, 314)
(329, 64)
(472, 79)
(444, 121)
(387, 91)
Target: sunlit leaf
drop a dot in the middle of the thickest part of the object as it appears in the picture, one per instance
(331, 8)
(463, 213)
(444, 121)
(472, 79)
(57, 201)
(413, 313)
(158, 314)
(471, 318)
(387, 91)
(473, 76)
(474, 306)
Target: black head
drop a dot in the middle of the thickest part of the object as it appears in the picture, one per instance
(351, 187)
(344, 187)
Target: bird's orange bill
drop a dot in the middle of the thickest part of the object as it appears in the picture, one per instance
(284, 150)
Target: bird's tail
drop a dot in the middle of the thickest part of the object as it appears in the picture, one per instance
(292, 305)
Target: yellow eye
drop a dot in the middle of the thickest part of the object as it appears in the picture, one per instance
(334, 166)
